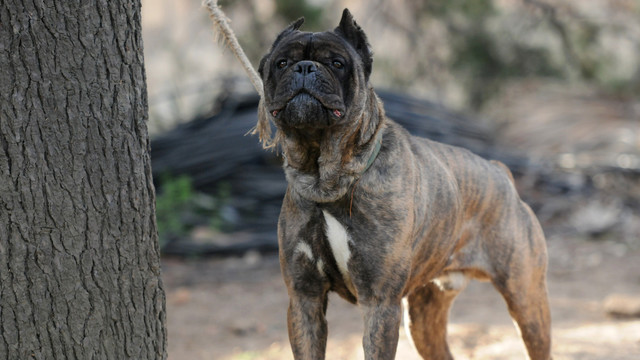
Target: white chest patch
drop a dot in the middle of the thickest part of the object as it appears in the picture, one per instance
(339, 242)
(305, 249)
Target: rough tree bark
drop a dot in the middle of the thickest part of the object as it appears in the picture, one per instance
(79, 259)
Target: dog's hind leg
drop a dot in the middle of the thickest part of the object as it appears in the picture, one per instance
(426, 314)
(524, 287)
(529, 309)
(526, 298)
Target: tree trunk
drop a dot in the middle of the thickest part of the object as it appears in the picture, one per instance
(79, 258)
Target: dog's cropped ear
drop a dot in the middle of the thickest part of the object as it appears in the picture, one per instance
(288, 30)
(351, 31)
(261, 66)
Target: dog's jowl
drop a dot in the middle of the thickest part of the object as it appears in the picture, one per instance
(384, 218)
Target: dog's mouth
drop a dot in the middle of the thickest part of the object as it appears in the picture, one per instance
(336, 112)
(332, 103)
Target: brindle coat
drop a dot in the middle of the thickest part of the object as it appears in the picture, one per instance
(415, 225)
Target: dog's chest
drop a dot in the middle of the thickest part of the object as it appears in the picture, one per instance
(339, 239)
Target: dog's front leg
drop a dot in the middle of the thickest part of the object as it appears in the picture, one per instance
(382, 324)
(307, 326)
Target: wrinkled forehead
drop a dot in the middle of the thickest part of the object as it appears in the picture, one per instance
(307, 44)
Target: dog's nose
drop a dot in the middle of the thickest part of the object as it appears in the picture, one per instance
(305, 67)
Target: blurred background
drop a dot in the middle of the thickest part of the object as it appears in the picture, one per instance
(551, 88)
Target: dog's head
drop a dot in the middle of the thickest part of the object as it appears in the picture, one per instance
(315, 80)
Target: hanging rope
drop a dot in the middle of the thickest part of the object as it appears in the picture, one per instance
(221, 25)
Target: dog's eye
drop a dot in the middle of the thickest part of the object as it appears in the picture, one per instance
(282, 64)
(337, 64)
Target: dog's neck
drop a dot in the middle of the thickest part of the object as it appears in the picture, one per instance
(321, 165)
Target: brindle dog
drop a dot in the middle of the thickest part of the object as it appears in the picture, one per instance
(384, 218)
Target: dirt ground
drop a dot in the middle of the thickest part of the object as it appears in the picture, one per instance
(235, 309)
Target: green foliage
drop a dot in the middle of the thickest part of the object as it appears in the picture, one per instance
(477, 59)
(179, 208)
(222, 198)
(174, 198)
(585, 40)
(476, 9)
(291, 10)
(485, 54)
(481, 59)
